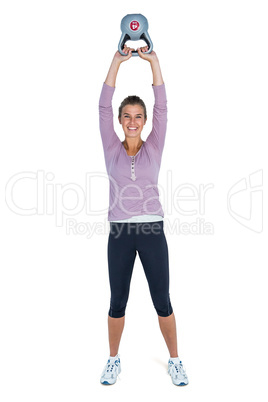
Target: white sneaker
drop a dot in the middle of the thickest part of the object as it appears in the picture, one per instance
(111, 371)
(177, 373)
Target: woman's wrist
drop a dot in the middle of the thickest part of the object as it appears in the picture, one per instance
(154, 60)
(116, 61)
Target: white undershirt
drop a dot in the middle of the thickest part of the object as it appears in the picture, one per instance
(142, 218)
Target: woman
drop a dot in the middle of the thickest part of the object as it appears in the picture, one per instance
(135, 212)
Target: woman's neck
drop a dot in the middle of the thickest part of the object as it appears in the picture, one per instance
(132, 146)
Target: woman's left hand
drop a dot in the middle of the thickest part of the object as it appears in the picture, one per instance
(147, 56)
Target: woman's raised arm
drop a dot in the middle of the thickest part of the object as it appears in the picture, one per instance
(108, 135)
(117, 60)
(157, 136)
(154, 62)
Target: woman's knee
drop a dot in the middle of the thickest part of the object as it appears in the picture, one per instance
(116, 313)
(163, 306)
(117, 306)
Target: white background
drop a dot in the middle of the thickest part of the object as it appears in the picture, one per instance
(54, 285)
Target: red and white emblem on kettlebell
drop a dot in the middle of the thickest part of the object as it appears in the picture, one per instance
(134, 25)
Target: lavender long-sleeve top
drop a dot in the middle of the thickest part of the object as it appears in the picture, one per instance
(133, 180)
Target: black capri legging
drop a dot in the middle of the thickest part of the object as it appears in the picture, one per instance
(148, 238)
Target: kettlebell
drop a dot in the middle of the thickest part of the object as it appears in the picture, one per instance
(134, 27)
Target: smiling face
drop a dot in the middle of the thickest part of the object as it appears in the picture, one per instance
(132, 120)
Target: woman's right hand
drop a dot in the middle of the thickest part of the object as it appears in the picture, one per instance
(127, 50)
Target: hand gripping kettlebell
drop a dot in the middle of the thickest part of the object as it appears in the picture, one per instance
(134, 27)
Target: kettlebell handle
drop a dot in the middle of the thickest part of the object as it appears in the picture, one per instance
(125, 37)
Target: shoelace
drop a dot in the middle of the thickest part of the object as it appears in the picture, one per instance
(111, 367)
(179, 369)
